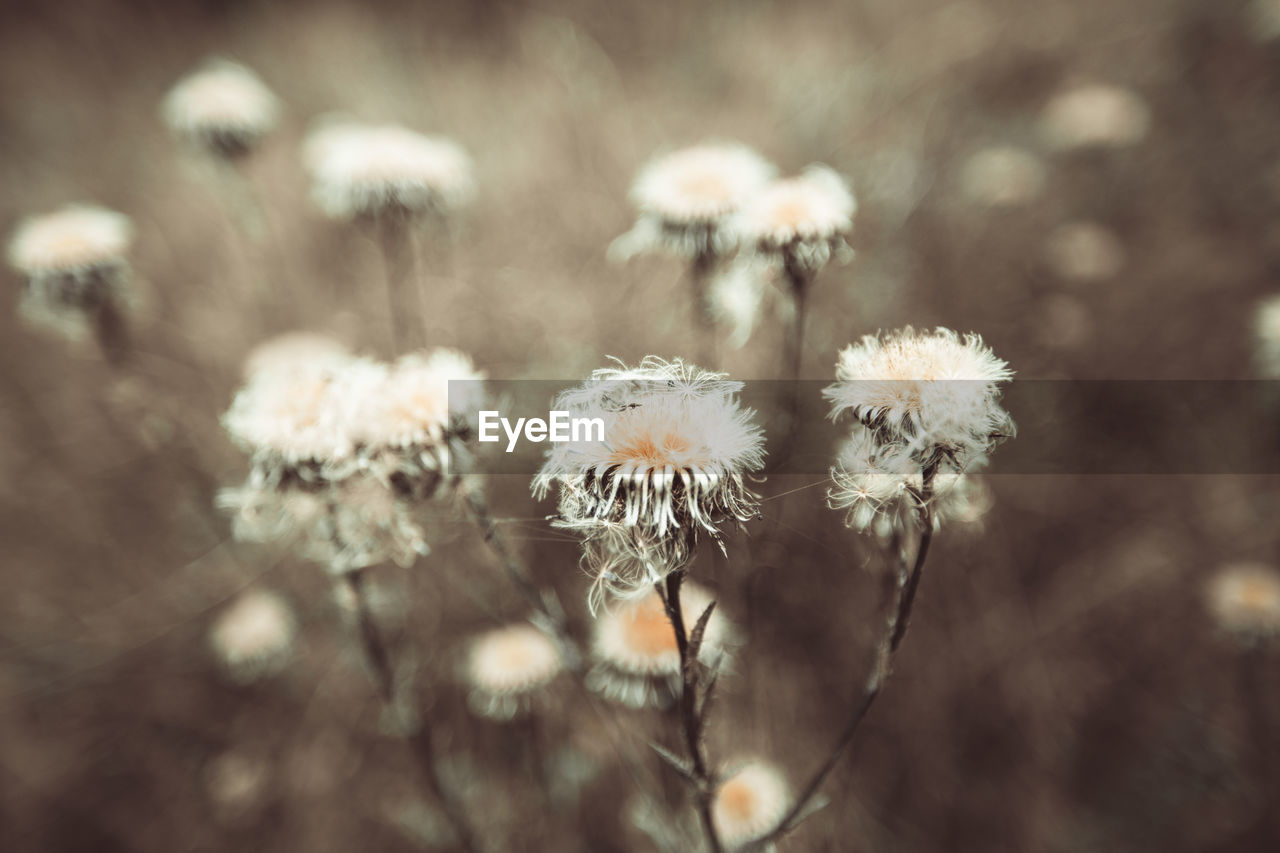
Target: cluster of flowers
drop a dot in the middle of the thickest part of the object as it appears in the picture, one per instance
(344, 448)
(708, 202)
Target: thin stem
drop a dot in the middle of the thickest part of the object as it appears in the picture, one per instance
(688, 707)
(416, 734)
(111, 331)
(903, 593)
(405, 310)
(798, 280)
(699, 278)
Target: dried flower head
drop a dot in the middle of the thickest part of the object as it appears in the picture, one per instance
(1244, 599)
(633, 646)
(1267, 330)
(749, 802)
(684, 198)
(363, 170)
(221, 108)
(253, 637)
(933, 394)
(881, 485)
(677, 447)
(1096, 116)
(506, 667)
(1002, 176)
(805, 219)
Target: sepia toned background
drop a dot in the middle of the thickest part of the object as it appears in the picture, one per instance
(1062, 687)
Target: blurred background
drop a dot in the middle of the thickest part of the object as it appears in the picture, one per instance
(1062, 686)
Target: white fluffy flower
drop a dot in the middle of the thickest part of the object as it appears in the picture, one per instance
(360, 169)
(684, 197)
(1244, 599)
(806, 218)
(934, 393)
(414, 405)
(254, 635)
(75, 239)
(749, 802)
(677, 446)
(1266, 325)
(222, 108)
(633, 645)
(1096, 116)
(507, 666)
(295, 419)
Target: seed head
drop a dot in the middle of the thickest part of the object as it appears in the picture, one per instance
(506, 667)
(367, 170)
(253, 637)
(221, 108)
(805, 219)
(749, 802)
(677, 448)
(636, 660)
(1244, 599)
(684, 199)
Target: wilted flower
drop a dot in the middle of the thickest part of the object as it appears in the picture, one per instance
(221, 108)
(1267, 329)
(802, 220)
(253, 637)
(1002, 176)
(748, 804)
(931, 393)
(365, 170)
(1244, 599)
(924, 402)
(685, 197)
(507, 667)
(1096, 116)
(677, 446)
(636, 660)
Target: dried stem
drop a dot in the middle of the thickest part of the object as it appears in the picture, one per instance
(111, 331)
(903, 593)
(690, 722)
(700, 270)
(798, 281)
(415, 733)
(405, 307)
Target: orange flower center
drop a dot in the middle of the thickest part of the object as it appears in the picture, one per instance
(737, 801)
(648, 630)
(704, 186)
(672, 449)
(1257, 594)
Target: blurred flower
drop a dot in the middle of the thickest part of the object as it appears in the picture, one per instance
(676, 447)
(77, 274)
(1002, 176)
(360, 170)
(1267, 330)
(927, 392)
(254, 636)
(506, 667)
(1244, 599)
(367, 524)
(72, 241)
(802, 220)
(735, 298)
(748, 804)
(235, 784)
(221, 108)
(685, 197)
(1096, 116)
(294, 351)
(1084, 251)
(636, 661)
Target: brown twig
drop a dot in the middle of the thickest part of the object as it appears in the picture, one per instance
(689, 718)
(903, 593)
